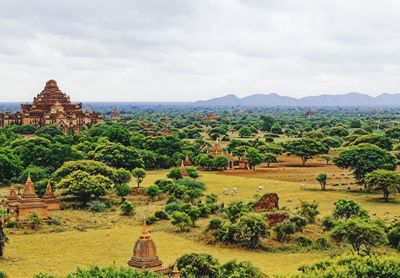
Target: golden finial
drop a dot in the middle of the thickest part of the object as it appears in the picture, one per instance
(144, 229)
(29, 177)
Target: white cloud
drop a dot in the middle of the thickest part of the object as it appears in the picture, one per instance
(187, 50)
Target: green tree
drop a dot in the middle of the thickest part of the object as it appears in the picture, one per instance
(245, 131)
(139, 174)
(387, 181)
(284, 230)
(198, 265)
(85, 186)
(249, 229)
(353, 266)
(254, 157)
(10, 166)
(309, 210)
(361, 234)
(49, 131)
(181, 220)
(345, 209)
(127, 208)
(220, 162)
(381, 141)
(4, 218)
(122, 190)
(235, 209)
(365, 158)
(267, 123)
(321, 178)
(194, 213)
(270, 158)
(175, 173)
(339, 131)
(118, 156)
(122, 176)
(153, 191)
(305, 148)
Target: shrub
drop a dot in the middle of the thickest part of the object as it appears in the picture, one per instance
(54, 221)
(328, 223)
(171, 207)
(284, 230)
(165, 184)
(127, 208)
(299, 222)
(96, 206)
(161, 215)
(122, 190)
(34, 220)
(304, 241)
(344, 209)
(12, 224)
(321, 243)
(394, 236)
(181, 220)
(175, 173)
(153, 191)
(151, 220)
(309, 210)
(193, 173)
(214, 224)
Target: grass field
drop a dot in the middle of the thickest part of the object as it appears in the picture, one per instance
(86, 238)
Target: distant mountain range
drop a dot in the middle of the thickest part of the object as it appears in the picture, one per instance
(268, 100)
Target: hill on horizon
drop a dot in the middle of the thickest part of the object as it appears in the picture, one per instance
(273, 99)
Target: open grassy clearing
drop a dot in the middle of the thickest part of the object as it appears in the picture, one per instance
(85, 238)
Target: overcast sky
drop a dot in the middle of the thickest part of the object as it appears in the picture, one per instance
(170, 50)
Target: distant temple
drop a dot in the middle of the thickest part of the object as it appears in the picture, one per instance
(115, 115)
(52, 106)
(145, 256)
(310, 113)
(29, 202)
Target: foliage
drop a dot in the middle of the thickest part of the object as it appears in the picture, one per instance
(379, 140)
(305, 148)
(360, 233)
(96, 206)
(84, 186)
(139, 174)
(153, 191)
(175, 173)
(198, 265)
(117, 155)
(4, 218)
(309, 210)
(34, 220)
(387, 181)
(181, 221)
(122, 190)
(353, 266)
(161, 215)
(106, 272)
(345, 209)
(235, 209)
(284, 230)
(122, 176)
(90, 166)
(127, 208)
(193, 173)
(365, 158)
(321, 178)
(254, 157)
(270, 158)
(220, 162)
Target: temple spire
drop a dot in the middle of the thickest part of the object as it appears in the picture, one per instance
(144, 228)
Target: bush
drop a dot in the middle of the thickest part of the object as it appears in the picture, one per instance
(151, 220)
(328, 223)
(214, 224)
(165, 184)
(161, 215)
(344, 209)
(127, 208)
(96, 206)
(304, 241)
(54, 221)
(12, 224)
(299, 222)
(153, 191)
(122, 190)
(321, 243)
(394, 236)
(34, 220)
(309, 210)
(284, 230)
(181, 220)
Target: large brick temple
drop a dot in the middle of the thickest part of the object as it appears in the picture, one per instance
(52, 106)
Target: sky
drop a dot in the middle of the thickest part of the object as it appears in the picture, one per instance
(187, 50)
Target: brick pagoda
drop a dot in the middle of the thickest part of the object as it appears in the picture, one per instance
(145, 256)
(52, 106)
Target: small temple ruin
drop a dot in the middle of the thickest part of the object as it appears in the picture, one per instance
(52, 107)
(115, 115)
(30, 202)
(145, 256)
